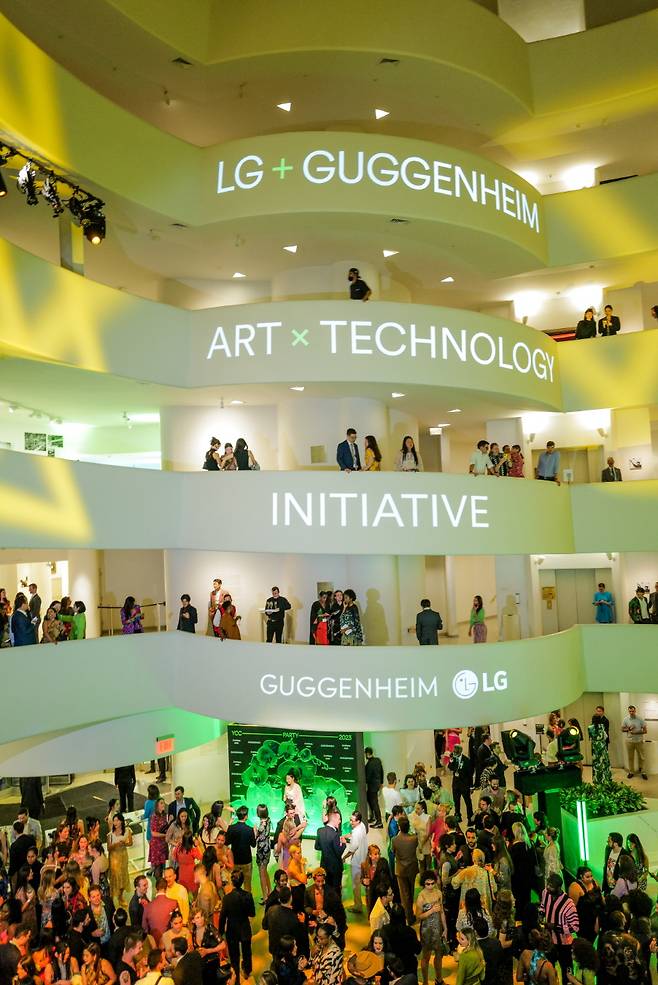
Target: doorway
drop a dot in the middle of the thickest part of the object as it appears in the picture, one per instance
(573, 593)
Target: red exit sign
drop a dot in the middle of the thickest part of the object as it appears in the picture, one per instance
(164, 745)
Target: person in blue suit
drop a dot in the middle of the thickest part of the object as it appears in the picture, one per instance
(22, 627)
(347, 453)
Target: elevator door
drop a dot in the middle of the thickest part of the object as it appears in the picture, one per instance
(575, 589)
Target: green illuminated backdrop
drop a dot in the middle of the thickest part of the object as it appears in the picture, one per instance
(325, 764)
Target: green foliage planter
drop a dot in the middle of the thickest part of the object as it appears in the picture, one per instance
(603, 800)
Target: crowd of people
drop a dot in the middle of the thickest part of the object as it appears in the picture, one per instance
(21, 624)
(334, 618)
(238, 459)
(445, 885)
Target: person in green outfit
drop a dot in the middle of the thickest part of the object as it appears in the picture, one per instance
(471, 966)
(78, 621)
(477, 627)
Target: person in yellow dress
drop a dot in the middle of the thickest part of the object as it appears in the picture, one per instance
(373, 457)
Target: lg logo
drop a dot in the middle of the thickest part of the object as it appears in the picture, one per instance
(466, 683)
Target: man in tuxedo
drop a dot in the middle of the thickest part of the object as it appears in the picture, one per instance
(189, 804)
(611, 473)
(428, 624)
(462, 778)
(347, 453)
(327, 842)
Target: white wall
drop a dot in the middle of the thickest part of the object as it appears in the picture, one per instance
(636, 569)
(84, 584)
(186, 433)
(474, 576)
(399, 751)
(204, 771)
(138, 573)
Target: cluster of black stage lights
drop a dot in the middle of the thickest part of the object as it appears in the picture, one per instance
(35, 179)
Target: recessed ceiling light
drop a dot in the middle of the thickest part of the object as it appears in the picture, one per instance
(390, 253)
(455, 410)
(381, 113)
(237, 403)
(286, 107)
(299, 389)
(12, 408)
(237, 275)
(291, 249)
(448, 280)
(396, 395)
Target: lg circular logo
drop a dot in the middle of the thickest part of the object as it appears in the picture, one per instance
(465, 684)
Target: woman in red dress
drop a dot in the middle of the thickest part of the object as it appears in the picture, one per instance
(158, 848)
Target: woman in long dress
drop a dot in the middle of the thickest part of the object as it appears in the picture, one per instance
(119, 840)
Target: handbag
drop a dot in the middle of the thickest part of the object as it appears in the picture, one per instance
(254, 466)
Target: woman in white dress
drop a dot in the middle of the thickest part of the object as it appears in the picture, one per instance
(293, 792)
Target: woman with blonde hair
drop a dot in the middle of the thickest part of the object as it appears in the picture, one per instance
(470, 964)
(47, 893)
(297, 877)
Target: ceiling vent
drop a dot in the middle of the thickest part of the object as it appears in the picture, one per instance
(180, 61)
(399, 222)
(389, 61)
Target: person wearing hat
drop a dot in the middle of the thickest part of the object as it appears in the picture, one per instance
(359, 290)
(638, 607)
(363, 966)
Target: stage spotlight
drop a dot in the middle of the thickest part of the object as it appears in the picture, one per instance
(93, 225)
(519, 747)
(26, 183)
(76, 207)
(3, 187)
(49, 192)
(568, 745)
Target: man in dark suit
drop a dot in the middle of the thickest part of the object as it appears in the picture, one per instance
(462, 778)
(22, 627)
(609, 324)
(241, 838)
(428, 624)
(19, 848)
(188, 965)
(347, 453)
(189, 804)
(187, 616)
(327, 842)
(237, 908)
(611, 473)
(138, 900)
(374, 783)
(124, 781)
(280, 921)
